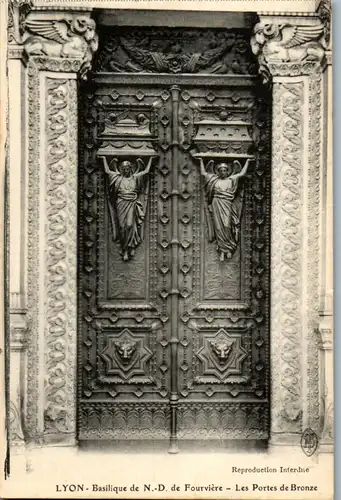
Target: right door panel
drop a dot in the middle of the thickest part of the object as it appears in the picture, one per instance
(223, 362)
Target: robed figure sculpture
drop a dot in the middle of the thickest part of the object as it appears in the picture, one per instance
(127, 201)
(224, 206)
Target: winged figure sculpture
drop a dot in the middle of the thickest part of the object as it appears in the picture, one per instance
(69, 38)
(288, 43)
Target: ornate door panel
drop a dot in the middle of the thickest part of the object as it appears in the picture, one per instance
(124, 349)
(174, 329)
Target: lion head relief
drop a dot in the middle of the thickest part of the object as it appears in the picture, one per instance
(221, 349)
(125, 349)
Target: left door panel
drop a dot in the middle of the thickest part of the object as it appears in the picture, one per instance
(123, 363)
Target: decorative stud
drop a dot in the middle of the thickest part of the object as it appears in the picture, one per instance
(164, 294)
(185, 268)
(184, 342)
(210, 96)
(209, 318)
(165, 120)
(140, 95)
(164, 243)
(185, 317)
(234, 392)
(114, 95)
(113, 318)
(164, 219)
(185, 293)
(165, 95)
(164, 269)
(185, 219)
(139, 317)
(164, 170)
(185, 95)
(164, 318)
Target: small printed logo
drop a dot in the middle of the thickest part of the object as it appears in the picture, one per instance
(309, 442)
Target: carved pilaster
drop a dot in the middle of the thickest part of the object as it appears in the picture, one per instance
(291, 55)
(286, 260)
(52, 315)
(60, 46)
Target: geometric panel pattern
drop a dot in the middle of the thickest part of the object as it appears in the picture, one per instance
(126, 356)
(222, 355)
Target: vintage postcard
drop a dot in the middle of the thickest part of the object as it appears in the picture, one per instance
(168, 310)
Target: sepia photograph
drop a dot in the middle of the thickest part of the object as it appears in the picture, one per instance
(167, 177)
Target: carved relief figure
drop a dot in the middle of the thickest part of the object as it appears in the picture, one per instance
(127, 202)
(288, 43)
(223, 216)
(75, 38)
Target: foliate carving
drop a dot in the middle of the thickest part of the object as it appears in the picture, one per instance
(286, 43)
(219, 420)
(224, 210)
(17, 12)
(137, 420)
(285, 256)
(127, 197)
(33, 264)
(314, 243)
(70, 38)
(60, 280)
(324, 12)
(176, 51)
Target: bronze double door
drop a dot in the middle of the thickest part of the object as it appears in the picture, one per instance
(173, 336)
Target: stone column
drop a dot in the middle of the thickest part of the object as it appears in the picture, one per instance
(52, 167)
(294, 69)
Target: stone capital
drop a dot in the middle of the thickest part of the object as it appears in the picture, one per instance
(288, 45)
(58, 35)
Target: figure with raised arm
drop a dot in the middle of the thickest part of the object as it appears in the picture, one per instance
(223, 219)
(127, 202)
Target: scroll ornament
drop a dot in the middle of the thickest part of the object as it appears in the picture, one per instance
(17, 12)
(286, 43)
(73, 38)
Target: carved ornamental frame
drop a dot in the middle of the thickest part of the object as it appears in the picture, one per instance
(48, 332)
